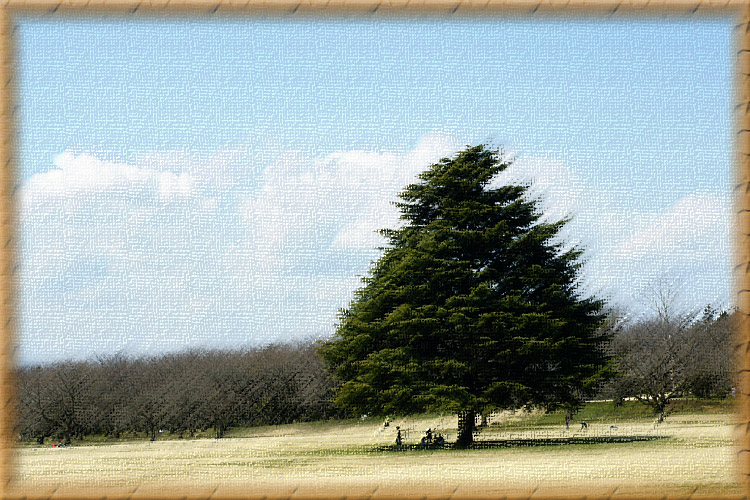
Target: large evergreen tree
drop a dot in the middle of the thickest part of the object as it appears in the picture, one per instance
(472, 307)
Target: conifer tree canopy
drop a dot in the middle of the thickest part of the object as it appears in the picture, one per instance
(472, 307)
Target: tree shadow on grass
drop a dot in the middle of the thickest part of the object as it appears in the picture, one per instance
(517, 443)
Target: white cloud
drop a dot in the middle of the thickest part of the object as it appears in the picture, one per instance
(561, 192)
(175, 249)
(626, 251)
(695, 223)
(338, 201)
(382, 178)
(174, 186)
(85, 175)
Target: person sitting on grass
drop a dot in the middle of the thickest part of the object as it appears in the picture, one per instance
(427, 438)
(439, 440)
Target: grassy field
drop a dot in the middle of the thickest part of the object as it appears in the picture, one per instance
(693, 451)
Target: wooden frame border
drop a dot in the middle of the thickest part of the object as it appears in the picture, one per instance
(738, 9)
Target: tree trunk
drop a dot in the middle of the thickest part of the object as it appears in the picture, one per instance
(466, 426)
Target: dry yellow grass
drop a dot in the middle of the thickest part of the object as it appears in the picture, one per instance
(696, 451)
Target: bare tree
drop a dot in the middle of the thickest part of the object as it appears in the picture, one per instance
(35, 418)
(670, 355)
(712, 368)
(179, 393)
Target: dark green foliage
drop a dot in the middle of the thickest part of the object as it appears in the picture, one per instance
(472, 306)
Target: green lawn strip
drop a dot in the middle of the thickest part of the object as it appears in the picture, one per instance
(629, 411)
(301, 428)
(102, 440)
(284, 463)
(604, 412)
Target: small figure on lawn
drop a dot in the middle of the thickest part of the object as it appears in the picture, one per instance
(439, 440)
(584, 425)
(398, 436)
(567, 423)
(387, 421)
(427, 439)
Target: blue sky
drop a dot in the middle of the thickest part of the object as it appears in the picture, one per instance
(218, 183)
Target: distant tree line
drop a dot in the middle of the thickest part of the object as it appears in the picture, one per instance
(658, 358)
(181, 393)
